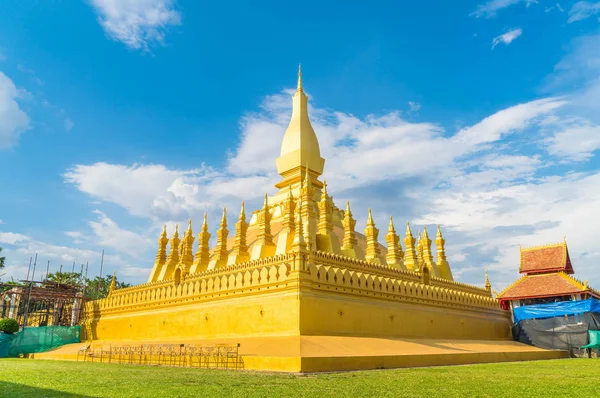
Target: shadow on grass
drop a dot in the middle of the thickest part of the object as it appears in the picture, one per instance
(22, 391)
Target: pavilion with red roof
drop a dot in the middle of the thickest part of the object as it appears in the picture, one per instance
(547, 277)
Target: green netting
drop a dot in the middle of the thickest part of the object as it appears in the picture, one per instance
(594, 340)
(39, 339)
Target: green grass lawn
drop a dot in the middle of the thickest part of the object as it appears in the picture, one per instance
(556, 378)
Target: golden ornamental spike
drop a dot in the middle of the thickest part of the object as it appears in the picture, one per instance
(242, 213)
(299, 89)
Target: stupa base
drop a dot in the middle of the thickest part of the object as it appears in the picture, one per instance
(341, 353)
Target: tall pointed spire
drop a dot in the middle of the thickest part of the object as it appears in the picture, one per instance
(373, 252)
(219, 258)
(427, 255)
(300, 146)
(173, 258)
(394, 257)
(239, 253)
(299, 89)
(161, 256)
(202, 257)
(187, 254)
(113, 283)
(419, 251)
(326, 239)
(410, 258)
(288, 225)
(350, 246)
(263, 246)
(299, 243)
(488, 285)
(308, 210)
(441, 261)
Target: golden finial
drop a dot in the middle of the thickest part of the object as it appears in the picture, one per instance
(113, 283)
(370, 219)
(391, 228)
(348, 212)
(224, 218)
(290, 194)
(164, 231)
(425, 235)
(325, 187)
(205, 223)
(266, 202)
(439, 232)
(488, 285)
(242, 213)
(299, 78)
(408, 231)
(190, 225)
(307, 179)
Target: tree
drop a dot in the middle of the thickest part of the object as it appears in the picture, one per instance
(2, 260)
(65, 278)
(4, 286)
(98, 288)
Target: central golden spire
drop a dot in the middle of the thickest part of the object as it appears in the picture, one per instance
(300, 152)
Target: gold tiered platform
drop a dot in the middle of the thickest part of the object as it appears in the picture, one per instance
(301, 291)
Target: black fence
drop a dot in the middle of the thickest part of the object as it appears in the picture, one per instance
(221, 356)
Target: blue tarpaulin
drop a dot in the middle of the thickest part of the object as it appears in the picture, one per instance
(560, 308)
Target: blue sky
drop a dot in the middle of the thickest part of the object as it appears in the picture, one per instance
(119, 116)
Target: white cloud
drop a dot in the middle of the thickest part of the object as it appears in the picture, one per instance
(18, 248)
(583, 10)
(13, 121)
(507, 38)
(490, 8)
(109, 234)
(576, 141)
(413, 107)
(137, 23)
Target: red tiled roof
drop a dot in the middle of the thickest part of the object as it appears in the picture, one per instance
(546, 258)
(545, 285)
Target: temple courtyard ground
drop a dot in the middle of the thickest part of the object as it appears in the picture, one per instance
(552, 378)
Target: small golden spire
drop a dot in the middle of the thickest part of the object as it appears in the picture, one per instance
(242, 213)
(425, 235)
(391, 228)
(205, 224)
(408, 231)
(176, 230)
(370, 219)
(307, 179)
(190, 225)
(488, 285)
(299, 89)
(113, 283)
(299, 243)
(325, 187)
(164, 231)
(372, 234)
(224, 218)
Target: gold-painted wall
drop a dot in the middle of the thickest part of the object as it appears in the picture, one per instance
(298, 294)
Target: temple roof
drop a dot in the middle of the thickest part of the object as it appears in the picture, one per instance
(546, 258)
(546, 285)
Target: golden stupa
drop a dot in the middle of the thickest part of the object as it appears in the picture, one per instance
(301, 290)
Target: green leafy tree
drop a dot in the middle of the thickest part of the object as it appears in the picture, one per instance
(4, 286)
(65, 278)
(98, 288)
(2, 259)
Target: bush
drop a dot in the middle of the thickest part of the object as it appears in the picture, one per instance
(9, 326)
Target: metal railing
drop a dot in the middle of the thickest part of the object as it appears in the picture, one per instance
(220, 356)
